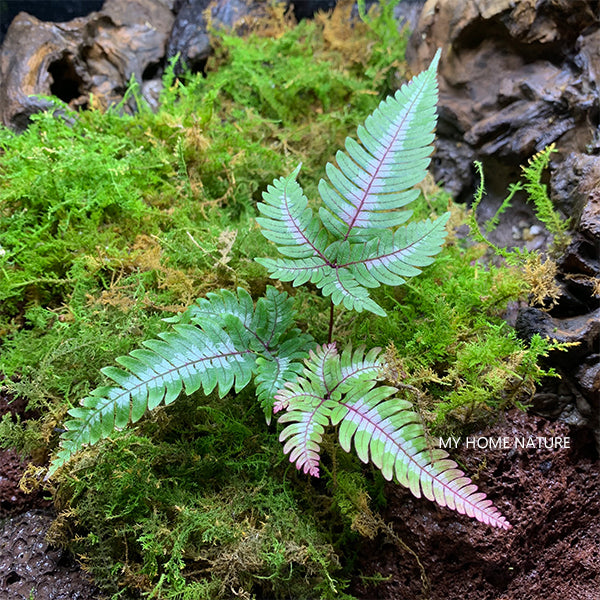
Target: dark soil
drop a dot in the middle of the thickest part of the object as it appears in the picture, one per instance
(29, 566)
(551, 497)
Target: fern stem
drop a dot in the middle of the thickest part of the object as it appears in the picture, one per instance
(330, 334)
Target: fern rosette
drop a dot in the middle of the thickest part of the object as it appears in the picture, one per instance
(357, 240)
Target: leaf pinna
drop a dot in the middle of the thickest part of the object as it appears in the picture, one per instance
(359, 239)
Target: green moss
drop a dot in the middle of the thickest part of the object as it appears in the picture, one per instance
(111, 222)
(204, 510)
(85, 185)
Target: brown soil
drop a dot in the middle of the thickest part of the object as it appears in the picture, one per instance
(552, 499)
(12, 499)
(551, 496)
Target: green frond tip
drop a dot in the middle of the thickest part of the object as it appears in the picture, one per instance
(358, 238)
(221, 343)
(537, 193)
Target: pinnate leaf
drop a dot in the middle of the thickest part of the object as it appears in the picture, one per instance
(357, 240)
(220, 343)
(344, 391)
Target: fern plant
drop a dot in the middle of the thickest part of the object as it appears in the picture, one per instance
(358, 240)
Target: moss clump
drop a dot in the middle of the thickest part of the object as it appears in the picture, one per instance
(140, 214)
(113, 221)
(81, 187)
(196, 511)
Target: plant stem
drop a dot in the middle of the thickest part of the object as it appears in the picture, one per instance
(330, 335)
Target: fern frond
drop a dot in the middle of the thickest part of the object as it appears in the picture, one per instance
(186, 358)
(308, 420)
(344, 288)
(392, 257)
(275, 369)
(289, 222)
(309, 400)
(383, 429)
(358, 366)
(387, 431)
(350, 245)
(334, 281)
(219, 343)
(267, 329)
(264, 324)
(216, 306)
(298, 271)
(335, 374)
